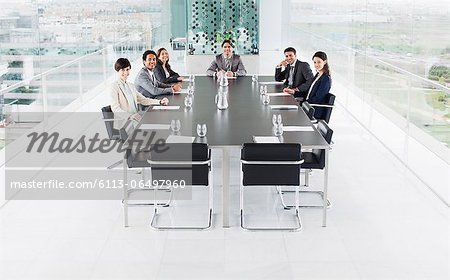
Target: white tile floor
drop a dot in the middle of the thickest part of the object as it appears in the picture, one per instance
(384, 224)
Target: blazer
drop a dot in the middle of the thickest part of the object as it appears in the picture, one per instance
(237, 67)
(145, 85)
(119, 101)
(318, 94)
(303, 76)
(160, 75)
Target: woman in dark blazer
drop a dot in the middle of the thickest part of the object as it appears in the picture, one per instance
(320, 88)
(163, 72)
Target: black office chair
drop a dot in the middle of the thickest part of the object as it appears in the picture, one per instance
(113, 134)
(314, 159)
(135, 158)
(309, 111)
(323, 110)
(265, 165)
(181, 162)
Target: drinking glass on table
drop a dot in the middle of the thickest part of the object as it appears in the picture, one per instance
(175, 125)
(265, 99)
(188, 101)
(201, 130)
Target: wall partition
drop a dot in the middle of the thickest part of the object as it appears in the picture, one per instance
(212, 21)
(392, 60)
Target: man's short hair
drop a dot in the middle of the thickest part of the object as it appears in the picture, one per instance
(146, 53)
(290, 49)
(121, 63)
(227, 41)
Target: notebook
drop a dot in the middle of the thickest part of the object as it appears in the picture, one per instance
(266, 139)
(297, 128)
(284, 107)
(151, 126)
(180, 139)
(271, 94)
(165, 107)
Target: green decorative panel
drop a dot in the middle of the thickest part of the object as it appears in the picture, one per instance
(212, 21)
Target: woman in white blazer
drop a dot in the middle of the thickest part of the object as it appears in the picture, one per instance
(125, 97)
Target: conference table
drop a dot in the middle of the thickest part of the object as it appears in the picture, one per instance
(245, 117)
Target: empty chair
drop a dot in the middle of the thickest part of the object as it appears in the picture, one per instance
(185, 164)
(323, 110)
(113, 134)
(314, 159)
(268, 165)
(309, 111)
(136, 158)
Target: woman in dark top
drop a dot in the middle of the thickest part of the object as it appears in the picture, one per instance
(163, 72)
(321, 85)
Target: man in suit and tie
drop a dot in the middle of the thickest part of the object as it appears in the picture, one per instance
(147, 84)
(296, 74)
(227, 62)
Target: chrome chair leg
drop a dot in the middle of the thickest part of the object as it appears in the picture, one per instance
(206, 227)
(320, 193)
(245, 227)
(114, 165)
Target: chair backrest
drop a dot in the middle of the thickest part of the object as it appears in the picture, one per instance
(308, 109)
(191, 163)
(327, 134)
(271, 173)
(324, 113)
(108, 114)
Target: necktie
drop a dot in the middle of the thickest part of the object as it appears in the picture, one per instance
(291, 75)
(227, 64)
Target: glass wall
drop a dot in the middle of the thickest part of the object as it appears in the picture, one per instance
(54, 51)
(395, 55)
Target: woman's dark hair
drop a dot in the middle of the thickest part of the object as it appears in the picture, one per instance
(158, 53)
(227, 41)
(122, 63)
(323, 56)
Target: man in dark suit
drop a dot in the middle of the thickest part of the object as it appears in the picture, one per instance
(147, 84)
(227, 62)
(296, 74)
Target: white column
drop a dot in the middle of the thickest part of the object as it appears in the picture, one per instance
(274, 19)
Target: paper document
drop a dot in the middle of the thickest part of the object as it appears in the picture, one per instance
(271, 83)
(150, 126)
(266, 139)
(284, 107)
(179, 139)
(297, 128)
(231, 78)
(183, 90)
(165, 107)
(278, 94)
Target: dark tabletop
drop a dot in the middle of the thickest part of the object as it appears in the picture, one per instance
(245, 117)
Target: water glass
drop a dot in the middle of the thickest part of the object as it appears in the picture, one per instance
(279, 119)
(188, 101)
(265, 99)
(201, 130)
(278, 129)
(175, 125)
(276, 119)
(191, 79)
(254, 78)
(262, 90)
(190, 89)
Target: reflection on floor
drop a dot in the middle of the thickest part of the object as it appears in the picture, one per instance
(384, 224)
